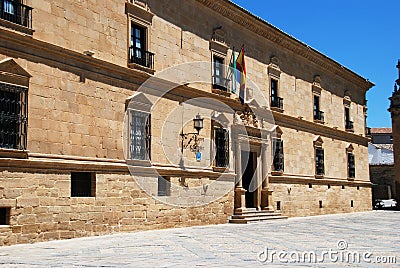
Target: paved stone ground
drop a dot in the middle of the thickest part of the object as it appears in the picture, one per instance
(227, 245)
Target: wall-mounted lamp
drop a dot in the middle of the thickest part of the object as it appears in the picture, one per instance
(198, 125)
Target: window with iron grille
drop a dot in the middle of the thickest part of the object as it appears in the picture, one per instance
(319, 161)
(351, 167)
(13, 116)
(140, 135)
(278, 162)
(164, 186)
(222, 147)
(83, 184)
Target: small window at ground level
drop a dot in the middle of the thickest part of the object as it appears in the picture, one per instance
(320, 203)
(278, 205)
(352, 203)
(164, 186)
(83, 184)
(5, 216)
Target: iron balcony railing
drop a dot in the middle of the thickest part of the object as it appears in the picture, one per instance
(319, 115)
(349, 125)
(320, 170)
(17, 13)
(221, 83)
(277, 102)
(278, 164)
(141, 57)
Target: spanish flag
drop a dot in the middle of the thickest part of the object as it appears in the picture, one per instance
(241, 67)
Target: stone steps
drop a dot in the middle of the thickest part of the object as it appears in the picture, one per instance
(253, 215)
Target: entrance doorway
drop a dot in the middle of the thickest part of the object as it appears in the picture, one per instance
(249, 164)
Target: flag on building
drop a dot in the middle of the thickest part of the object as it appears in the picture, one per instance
(233, 73)
(241, 67)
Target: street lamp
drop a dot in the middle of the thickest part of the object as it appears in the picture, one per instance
(198, 125)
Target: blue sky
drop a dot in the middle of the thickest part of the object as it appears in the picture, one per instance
(363, 35)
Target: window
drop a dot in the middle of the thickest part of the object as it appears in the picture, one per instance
(222, 147)
(139, 135)
(276, 101)
(349, 124)
(319, 161)
(278, 162)
(164, 186)
(83, 184)
(318, 114)
(16, 12)
(13, 116)
(5, 216)
(137, 50)
(278, 205)
(219, 80)
(351, 165)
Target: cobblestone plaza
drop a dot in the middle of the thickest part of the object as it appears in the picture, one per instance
(227, 245)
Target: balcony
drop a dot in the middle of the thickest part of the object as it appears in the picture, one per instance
(320, 170)
(349, 126)
(277, 102)
(221, 83)
(278, 165)
(141, 57)
(319, 116)
(17, 13)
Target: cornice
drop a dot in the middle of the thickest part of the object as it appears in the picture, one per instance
(300, 179)
(257, 25)
(284, 120)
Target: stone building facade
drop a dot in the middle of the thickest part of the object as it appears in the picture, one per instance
(75, 120)
(395, 113)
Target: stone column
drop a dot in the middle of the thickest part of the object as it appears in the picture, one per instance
(266, 193)
(240, 199)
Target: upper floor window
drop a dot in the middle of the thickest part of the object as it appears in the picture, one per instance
(278, 161)
(351, 167)
(139, 135)
(13, 116)
(318, 114)
(219, 80)
(222, 147)
(276, 101)
(348, 123)
(319, 161)
(15, 11)
(319, 157)
(138, 45)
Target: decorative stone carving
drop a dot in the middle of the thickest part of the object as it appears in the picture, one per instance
(273, 68)
(316, 85)
(217, 42)
(248, 118)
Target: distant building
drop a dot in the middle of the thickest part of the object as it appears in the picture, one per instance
(381, 160)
